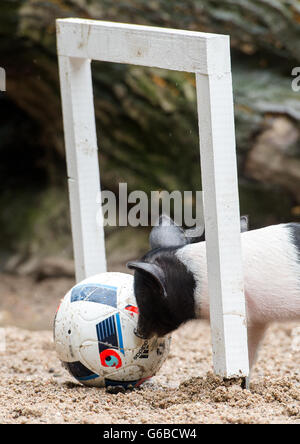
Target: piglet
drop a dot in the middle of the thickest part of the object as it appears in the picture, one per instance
(171, 287)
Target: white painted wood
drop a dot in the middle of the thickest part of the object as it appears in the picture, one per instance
(222, 224)
(208, 55)
(82, 164)
(143, 45)
(2, 79)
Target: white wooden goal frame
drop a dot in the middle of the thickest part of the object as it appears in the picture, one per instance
(208, 56)
(2, 80)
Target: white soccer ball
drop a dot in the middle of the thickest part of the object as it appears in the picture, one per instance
(94, 334)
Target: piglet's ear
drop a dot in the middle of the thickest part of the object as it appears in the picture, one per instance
(152, 270)
(166, 234)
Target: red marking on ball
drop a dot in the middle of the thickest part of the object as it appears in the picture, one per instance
(110, 358)
(132, 308)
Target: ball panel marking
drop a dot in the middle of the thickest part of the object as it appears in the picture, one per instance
(109, 332)
(79, 371)
(99, 293)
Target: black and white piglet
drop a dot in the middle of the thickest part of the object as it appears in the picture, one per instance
(171, 280)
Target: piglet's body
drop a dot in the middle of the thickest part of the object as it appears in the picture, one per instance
(178, 276)
(271, 274)
(271, 278)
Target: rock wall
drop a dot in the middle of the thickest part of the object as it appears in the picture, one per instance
(146, 118)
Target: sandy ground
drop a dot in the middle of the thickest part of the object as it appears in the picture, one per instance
(34, 388)
(29, 304)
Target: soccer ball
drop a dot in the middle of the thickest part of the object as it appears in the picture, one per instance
(94, 334)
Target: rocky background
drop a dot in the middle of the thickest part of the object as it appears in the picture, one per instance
(146, 118)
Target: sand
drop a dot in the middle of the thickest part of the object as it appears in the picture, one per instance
(34, 388)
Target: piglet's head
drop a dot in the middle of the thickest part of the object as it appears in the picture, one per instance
(164, 293)
(151, 296)
(162, 284)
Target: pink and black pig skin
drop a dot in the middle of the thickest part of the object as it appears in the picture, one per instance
(171, 280)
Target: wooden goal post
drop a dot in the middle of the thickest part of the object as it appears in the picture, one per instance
(208, 56)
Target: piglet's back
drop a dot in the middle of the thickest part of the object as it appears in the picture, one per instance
(272, 272)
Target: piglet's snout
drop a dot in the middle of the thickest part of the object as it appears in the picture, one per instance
(139, 334)
(141, 331)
